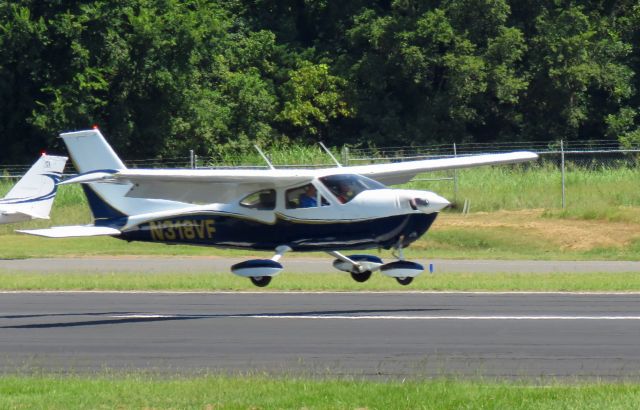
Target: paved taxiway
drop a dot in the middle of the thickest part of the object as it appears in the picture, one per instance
(294, 264)
(402, 334)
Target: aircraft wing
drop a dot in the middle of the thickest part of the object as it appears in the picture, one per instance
(72, 231)
(199, 185)
(224, 185)
(401, 172)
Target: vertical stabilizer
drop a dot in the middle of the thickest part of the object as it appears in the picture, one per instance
(90, 152)
(33, 195)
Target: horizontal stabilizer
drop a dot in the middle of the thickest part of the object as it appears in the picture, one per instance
(72, 231)
(30, 215)
(100, 176)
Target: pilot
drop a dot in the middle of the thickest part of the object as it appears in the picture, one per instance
(308, 198)
(344, 192)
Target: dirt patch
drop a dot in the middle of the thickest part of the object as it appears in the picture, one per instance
(568, 234)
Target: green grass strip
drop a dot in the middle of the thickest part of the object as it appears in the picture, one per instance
(262, 392)
(572, 282)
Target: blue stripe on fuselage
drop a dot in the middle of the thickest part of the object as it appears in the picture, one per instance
(103, 213)
(236, 232)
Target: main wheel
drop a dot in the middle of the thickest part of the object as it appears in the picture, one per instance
(260, 281)
(405, 281)
(361, 276)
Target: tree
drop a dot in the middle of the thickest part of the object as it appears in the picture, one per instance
(311, 98)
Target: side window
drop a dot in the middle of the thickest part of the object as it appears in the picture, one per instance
(263, 200)
(305, 196)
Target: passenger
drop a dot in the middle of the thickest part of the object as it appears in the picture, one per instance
(345, 194)
(267, 200)
(309, 198)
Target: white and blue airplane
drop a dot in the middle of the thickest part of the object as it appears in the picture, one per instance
(32, 196)
(278, 210)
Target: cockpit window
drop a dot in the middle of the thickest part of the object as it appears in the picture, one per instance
(346, 186)
(263, 200)
(306, 196)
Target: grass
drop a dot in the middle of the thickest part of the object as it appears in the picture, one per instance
(589, 192)
(509, 243)
(264, 392)
(605, 196)
(340, 282)
(440, 243)
(509, 236)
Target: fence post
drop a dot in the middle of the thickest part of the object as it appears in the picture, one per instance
(345, 155)
(455, 176)
(191, 159)
(562, 171)
(195, 161)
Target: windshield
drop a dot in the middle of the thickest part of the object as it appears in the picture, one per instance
(345, 187)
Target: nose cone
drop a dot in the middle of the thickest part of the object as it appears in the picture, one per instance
(428, 202)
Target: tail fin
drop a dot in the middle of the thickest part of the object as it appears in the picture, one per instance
(33, 195)
(90, 152)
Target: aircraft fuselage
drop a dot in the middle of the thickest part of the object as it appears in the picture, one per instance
(381, 218)
(231, 231)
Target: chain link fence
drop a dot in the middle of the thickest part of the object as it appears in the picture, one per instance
(592, 156)
(561, 157)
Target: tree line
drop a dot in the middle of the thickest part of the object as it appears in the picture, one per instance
(161, 77)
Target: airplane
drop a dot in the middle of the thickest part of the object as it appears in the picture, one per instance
(32, 196)
(264, 209)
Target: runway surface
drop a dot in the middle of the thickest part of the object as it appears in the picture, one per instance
(372, 335)
(294, 264)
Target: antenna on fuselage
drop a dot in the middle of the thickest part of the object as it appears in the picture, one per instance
(264, 156)
(330, 154)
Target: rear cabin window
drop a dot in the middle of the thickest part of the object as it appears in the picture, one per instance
(262, 200)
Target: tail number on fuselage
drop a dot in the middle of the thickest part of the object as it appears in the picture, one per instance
(182, 229)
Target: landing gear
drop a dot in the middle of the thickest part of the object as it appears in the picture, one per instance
(260, 271)
(260, 281)
(405, 281)
(361, 276)
(359, 266)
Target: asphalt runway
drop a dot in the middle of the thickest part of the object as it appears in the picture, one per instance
(294, 264)
(371, 335)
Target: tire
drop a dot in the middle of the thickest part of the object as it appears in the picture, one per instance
(405, 281)
(361, 276)
(260, 281)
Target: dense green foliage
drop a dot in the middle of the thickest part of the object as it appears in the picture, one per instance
(165, 76)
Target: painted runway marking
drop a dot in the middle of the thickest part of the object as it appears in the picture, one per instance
(378, 317)
(302, 316)
(320, 292)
